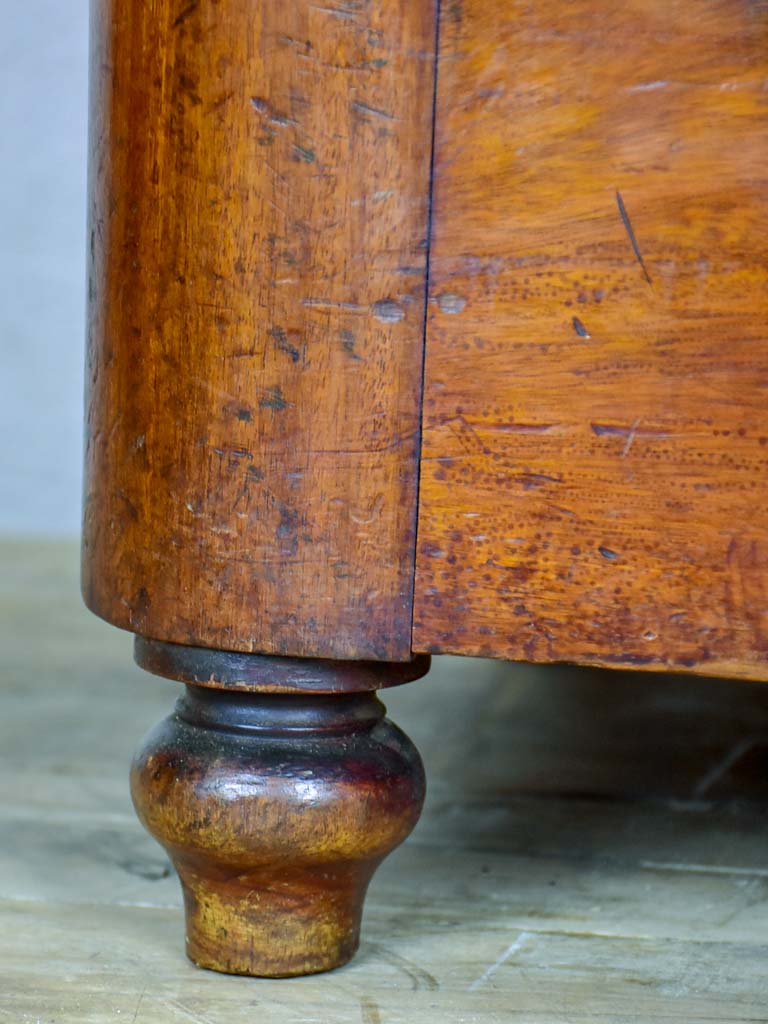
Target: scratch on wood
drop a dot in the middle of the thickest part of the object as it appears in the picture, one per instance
(614, 430)
(530, 480)
(352, 307)
(520, 428)
(630, 439)
(649, 86)
(185, 13)
(362, 108)
(335, 12)
(372, 513)
(631, 234)
(388, 445)
(466, 435)
(375, 197)
(262, 106)
(580, 329)
(304, 155)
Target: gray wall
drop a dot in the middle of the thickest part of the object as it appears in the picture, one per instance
(43, 82)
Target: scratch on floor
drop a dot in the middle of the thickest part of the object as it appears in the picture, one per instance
(511, 949)
(138, 1005)
(419, 977)
(193, 1015)
(703, 869)
(723, 766)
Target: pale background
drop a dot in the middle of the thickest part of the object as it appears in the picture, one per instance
(43, 116)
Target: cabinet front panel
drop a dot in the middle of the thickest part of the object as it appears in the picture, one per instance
(595, 445)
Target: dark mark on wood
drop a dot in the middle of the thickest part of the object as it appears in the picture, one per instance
(281, 341)
(348, 344)
(303, 155)
(601, 429)
(520, 428)
(362, 108)
(185, 13)
(634, 430)
(530, 480)
(233, 453)
(631, 235)
(579, 327)
(189, 87)
(607, 553)
(265, 108)
(289, 521)
(274, 400)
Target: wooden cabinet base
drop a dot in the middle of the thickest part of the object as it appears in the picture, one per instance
(276, 810)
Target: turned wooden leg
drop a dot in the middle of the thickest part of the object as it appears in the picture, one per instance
(259, 225)
(275, 807)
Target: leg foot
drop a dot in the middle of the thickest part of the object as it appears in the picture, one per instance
(276, 810)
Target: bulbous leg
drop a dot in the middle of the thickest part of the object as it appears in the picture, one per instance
(276, 810)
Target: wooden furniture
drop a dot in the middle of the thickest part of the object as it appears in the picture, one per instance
(411, 332)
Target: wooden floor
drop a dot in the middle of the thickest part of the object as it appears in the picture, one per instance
(594, 846)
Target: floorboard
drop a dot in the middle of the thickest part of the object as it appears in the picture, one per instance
(593, 846)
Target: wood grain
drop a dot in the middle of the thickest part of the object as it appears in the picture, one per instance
(266, 673)
(259, 199)
(593, 476)
(276, 810)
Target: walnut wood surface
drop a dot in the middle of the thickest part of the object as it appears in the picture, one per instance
(265, 673)
(259, 200)
(593, 479)
(276, 811)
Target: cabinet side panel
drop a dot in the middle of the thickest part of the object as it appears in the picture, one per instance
(593, 477)
(259, 203)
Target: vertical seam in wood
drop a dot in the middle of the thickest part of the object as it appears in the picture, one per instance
(427, 270)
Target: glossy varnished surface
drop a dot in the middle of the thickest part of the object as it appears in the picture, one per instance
(276, 810)
(259, 196)
(593, 482)
(264, 673)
